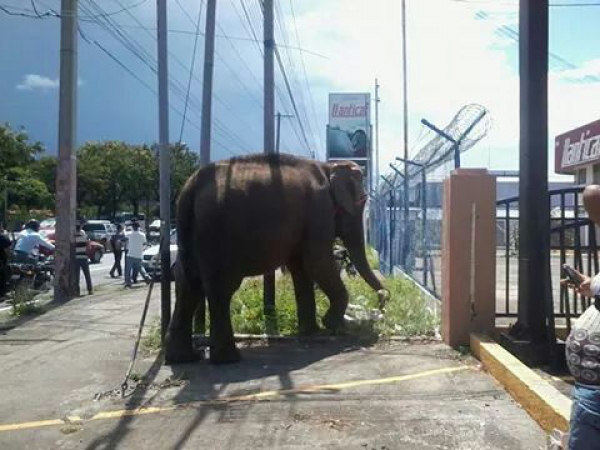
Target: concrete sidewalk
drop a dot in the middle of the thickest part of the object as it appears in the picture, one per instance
(339, 394)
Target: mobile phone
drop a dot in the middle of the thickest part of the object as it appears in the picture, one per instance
(572, 275)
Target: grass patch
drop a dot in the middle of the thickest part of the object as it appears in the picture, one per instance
(23, 302)
(406, 312)
(372, 258)
(151, 341)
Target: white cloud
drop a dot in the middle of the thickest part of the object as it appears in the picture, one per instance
(588, 72)
(33, 81)
(455, 59)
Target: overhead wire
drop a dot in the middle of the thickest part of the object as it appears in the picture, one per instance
(137, 49)
(187, 95)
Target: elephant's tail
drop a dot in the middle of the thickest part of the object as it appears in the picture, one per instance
(185, 231)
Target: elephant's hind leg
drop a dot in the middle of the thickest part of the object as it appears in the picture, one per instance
(305, 298)
(179, 348)
(222, 343)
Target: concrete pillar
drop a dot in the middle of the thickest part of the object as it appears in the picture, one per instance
(469, 255)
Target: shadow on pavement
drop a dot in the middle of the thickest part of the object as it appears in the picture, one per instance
(204, 381)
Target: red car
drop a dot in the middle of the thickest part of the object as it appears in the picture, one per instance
(94, 250)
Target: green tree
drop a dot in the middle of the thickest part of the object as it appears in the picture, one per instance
(139, 178)
(20, 184)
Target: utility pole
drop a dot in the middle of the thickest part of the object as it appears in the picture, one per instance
(164, 166)
(207, 88)
(65, 281)
(376, 177)
(278, 139)
(269, 135)
(536, 319)
(406, 238)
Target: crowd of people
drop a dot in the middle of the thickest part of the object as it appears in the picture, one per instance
(28, 245)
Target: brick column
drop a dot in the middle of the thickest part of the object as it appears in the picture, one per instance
(468, 255)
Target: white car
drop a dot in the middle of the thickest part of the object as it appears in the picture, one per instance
(151, 257)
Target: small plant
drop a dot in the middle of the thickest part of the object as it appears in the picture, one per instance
(151, 341)
(23, 303)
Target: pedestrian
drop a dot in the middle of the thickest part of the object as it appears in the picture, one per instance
(136, 242)
(583, 351)
(5, 245)
(83, 262)
(117, 242)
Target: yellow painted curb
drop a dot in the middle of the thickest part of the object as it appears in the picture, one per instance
(548, 407)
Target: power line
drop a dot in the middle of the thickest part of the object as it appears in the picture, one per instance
(552, 5)
(289, 90)
(310, 94)
(35, 14)
(513, 34)
(131, 44)
(187, 94)
(227, 65)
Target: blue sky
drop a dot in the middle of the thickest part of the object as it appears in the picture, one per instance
(457, 56)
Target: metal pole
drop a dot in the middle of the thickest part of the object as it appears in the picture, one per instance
(205, 131)
(278, 132)
(65, 282)
(424, 223)
(377, 100)
(207, 82)
(534, 205)
(269, 135)
(279, 116)
(164, 167)
(406, 217)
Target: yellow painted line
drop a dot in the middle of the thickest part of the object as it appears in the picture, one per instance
(36, 424)
(239, 398)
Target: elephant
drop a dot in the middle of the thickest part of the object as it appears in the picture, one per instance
(249, 215)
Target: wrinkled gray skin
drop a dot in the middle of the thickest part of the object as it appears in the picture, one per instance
(250, 215)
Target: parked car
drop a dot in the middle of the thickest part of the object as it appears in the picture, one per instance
(48, 224)
(151, 258)
(100, 231)
(154, 232)
(94, 250)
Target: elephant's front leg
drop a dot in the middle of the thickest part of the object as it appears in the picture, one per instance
(305, 299)
(323, 270)
(222, 343)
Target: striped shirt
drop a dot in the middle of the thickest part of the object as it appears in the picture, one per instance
(80, 245)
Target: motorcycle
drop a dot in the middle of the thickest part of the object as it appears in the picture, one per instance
(36, 275)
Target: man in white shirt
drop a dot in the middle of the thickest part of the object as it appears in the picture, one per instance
(30, 241)
(136, 242)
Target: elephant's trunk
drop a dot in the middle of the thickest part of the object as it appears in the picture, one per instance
(355, 243)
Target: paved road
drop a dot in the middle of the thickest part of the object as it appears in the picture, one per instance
(296, 394)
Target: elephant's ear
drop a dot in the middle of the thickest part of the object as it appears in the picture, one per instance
(346, 186)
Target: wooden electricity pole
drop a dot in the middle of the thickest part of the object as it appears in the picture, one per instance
(65, 281)
(164, 167)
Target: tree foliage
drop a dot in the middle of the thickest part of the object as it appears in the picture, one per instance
(111, 175)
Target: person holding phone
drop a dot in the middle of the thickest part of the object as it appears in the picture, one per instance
(583, 348)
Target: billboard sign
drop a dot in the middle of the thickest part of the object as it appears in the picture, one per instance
(349, 130)
(577, 148)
